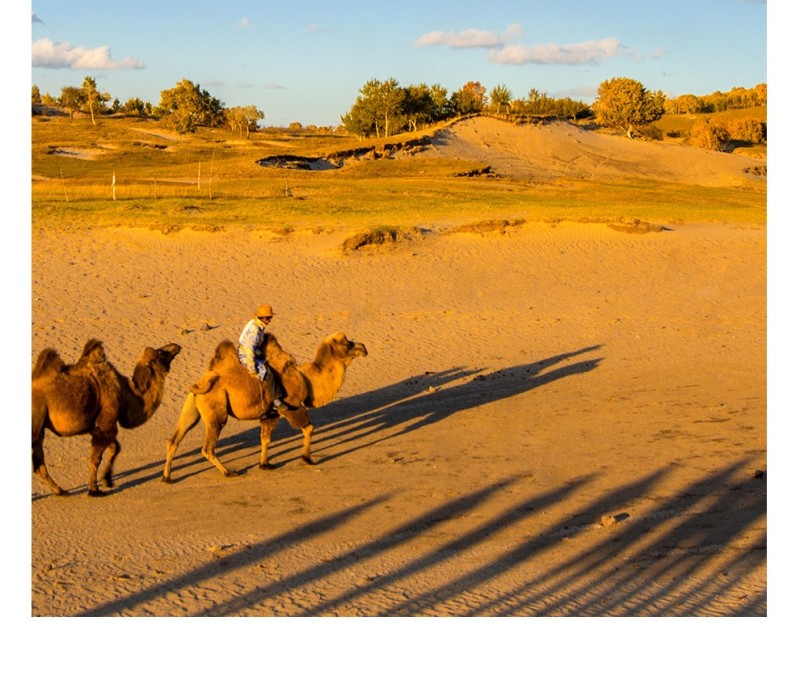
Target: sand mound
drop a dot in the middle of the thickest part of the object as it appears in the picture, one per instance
(551, 150)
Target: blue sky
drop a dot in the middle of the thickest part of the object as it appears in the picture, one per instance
(305, 61)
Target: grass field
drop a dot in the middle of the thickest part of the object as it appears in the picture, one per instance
(129, 171)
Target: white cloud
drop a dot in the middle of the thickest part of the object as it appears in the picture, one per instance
(470, 38)
(505, 49)
(35, 19)
(47, 53)
(244, 23)
(588, 52)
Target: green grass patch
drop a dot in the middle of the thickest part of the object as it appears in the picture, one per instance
(129, 171)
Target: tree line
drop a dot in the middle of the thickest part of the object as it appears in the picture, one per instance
(384, 107)
(183, 108)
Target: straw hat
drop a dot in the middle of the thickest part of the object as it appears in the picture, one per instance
(264, 311)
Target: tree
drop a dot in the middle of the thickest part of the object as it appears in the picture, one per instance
(386, 99)
(186, 107)
(134, 106)
(708, 134)
(471, 98)
(624, 102)
(36, 96)
(417, 105)
(686, 103)
(500, 97)
(70, 99)
(748, 130)
(378, 106)
(441, 104)
(244, 119)
(91, 98)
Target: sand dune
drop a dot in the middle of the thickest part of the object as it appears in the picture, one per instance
(549, 150)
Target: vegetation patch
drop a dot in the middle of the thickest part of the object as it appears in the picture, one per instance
(472, 173)
(381, 237)
(638, 226)
(491, 227)
(301, 163)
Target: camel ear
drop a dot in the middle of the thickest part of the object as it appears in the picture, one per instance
(168, 352)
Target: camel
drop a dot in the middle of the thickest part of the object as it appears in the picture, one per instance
(92, 397)
(228, 389)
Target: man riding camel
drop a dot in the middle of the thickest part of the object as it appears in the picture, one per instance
(253, 353)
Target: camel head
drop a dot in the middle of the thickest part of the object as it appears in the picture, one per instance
(344, 349)
(154, 364)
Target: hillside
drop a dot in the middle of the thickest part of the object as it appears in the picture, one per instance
(552, 150)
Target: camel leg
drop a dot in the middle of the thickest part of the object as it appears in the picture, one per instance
(100, 441)
(298, 419)
(213, 429)
(38, 464)
(107, 476)
(188, 419)
(267, 427)
(307, 431)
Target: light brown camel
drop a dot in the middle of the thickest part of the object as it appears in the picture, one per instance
(92, 397)
(228, 389)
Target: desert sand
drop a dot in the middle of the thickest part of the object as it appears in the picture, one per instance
(555, 419)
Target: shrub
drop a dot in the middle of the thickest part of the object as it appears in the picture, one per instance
(650, 132)
(749, 130)
(709, 134)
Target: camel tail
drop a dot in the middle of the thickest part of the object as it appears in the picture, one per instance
(206, 382)
(47, 360)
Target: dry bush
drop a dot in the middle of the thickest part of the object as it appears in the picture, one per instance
(709, 134)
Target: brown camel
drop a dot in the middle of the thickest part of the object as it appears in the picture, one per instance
(228, 389)
(92, 397)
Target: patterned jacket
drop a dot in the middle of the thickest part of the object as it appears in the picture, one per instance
(252, 347)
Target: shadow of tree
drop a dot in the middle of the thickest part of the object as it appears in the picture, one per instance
(589, 584)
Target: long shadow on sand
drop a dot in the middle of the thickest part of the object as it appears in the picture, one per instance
(652, 565)
(422, 400)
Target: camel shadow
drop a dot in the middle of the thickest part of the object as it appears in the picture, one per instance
(352, 423)
(356, 422)
(440, 401)
(422, 400)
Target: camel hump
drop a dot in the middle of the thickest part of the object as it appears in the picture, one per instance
(48, 361)
(206, 382)
(226, 351)
(93, 351)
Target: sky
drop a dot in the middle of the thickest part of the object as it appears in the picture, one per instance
(306, 61)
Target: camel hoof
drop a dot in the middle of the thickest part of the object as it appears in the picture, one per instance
(229, 474)
(96, 492)
(166, 480)
(267, 466)
(308, 459)
(59, 492)
(109, 482)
